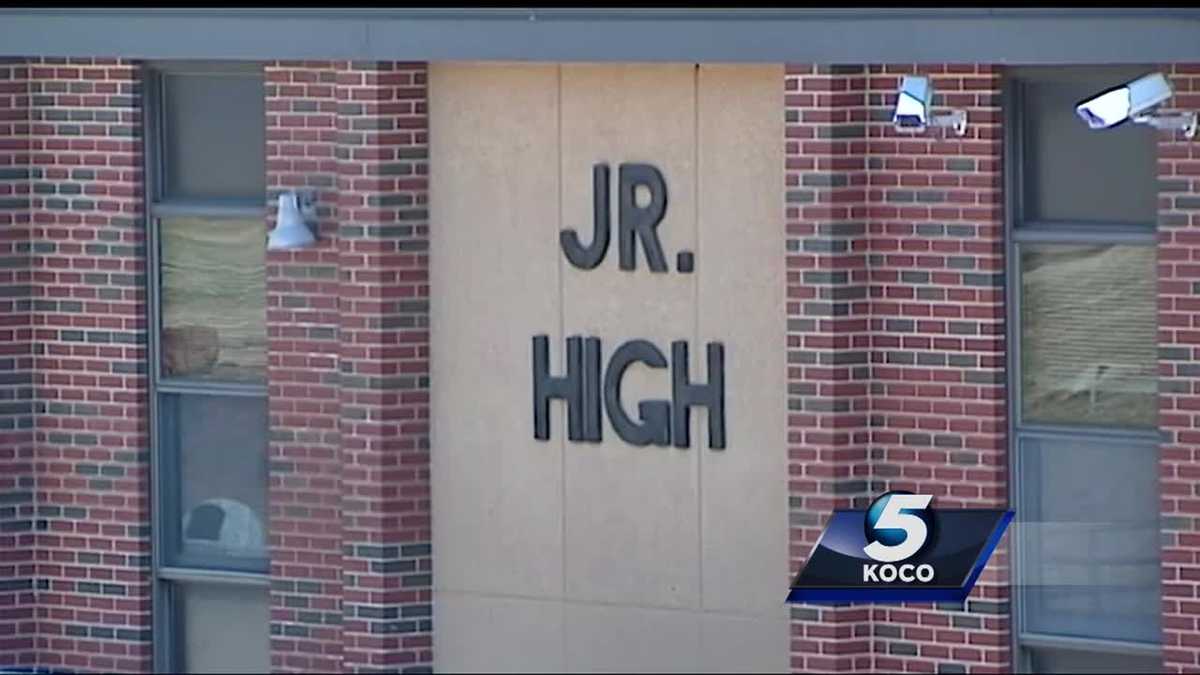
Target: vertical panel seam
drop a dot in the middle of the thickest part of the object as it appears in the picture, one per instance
(562, 443)
(696, 185)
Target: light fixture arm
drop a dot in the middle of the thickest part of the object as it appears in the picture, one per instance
(1185, 122)
(955, 119)
(306, 201)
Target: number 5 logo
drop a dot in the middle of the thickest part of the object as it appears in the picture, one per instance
(890, 547)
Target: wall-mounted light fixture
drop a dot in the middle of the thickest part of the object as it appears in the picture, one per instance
(914, 108)
(1136, 102)
(292, 230)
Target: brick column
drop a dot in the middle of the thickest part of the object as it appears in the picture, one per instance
(89, 316)
(302, 371)
(896, 343)
(938, 401)
(828, 344)
(1179, 378)
(383, 246)
(16, 374)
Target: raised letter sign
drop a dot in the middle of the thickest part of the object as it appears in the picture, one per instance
(685, 394)
(634, 222)
(588, 257)
(653, 415)
(568, 388)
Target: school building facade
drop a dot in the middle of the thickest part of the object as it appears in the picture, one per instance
(700, 228)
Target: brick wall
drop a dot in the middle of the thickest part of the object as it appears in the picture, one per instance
(938, 395)
(16, 373)
(896, 343)
(828, 340)
(88, 291)
(384, 360)
(1179, 378)
(348, 328)
(302, 329)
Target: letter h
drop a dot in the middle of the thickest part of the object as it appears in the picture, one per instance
(579, 388)
(685, 394)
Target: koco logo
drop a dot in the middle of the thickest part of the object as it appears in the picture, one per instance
(899, 549)
(898, 527)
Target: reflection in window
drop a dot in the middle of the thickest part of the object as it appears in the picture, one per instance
(220, 453)
(1088, 342)
(214, 299)
(1089, 539)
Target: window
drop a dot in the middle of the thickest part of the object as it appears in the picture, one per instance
(1069, 169)
(213, 299)
(221, 486)
(1090, 530)
(1088, 343)
(209, 152)
(1083, 346)
(206, 179)
(223, 629)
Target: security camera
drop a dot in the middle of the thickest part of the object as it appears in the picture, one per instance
(913, 103)
(1135, 102)
(914, 106)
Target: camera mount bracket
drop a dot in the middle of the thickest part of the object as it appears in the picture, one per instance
(1185, 122)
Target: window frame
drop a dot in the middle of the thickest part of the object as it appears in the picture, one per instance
(1018, 231)
(171, 540)
(167, 579)
(1056, 231)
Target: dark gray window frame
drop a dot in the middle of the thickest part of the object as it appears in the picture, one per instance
(168, 578)
(1018, 232)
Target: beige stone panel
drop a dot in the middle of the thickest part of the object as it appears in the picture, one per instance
(609, 639)
(497, 492)
(478, 633)
(739, 267)
(632, 532)
(738, 644)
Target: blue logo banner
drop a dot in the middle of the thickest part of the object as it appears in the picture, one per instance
(899, 550)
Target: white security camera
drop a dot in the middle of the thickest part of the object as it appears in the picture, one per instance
(914, 108)
(1135, 102)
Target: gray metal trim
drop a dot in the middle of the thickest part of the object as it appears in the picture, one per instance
(1041, 641)
(206, 388)
(821, 35)
(161, 602)
(154, 96)
(213, 209)
(224, 577)
(1054, 431)
(202, 67)
(1070, 233)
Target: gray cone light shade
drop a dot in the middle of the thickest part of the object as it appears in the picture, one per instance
(290, 231)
